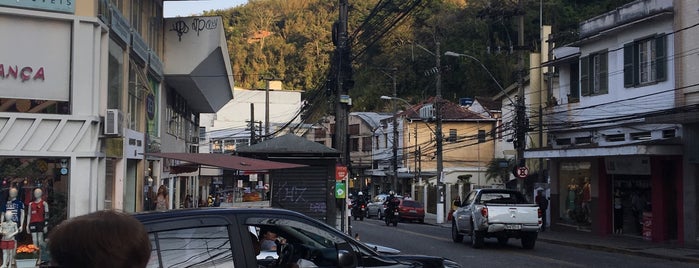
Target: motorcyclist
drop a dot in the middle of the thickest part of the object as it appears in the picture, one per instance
(391, 203)
(359, 201)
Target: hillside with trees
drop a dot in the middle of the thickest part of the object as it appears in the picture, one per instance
(292, 40)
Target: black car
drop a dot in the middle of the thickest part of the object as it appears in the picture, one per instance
(225, 237)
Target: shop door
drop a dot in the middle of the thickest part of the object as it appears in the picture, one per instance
(130, 186)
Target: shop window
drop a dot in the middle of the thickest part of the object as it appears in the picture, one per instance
(576, 193)
(452, 135)
(197, 246)
(583, 140)
(594, 74)
(645, 61)
(640, 136)
(565, 141)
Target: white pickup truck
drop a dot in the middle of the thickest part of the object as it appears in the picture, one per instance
(499, 213)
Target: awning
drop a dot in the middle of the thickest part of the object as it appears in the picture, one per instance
(627, 150)
(227, 161)
(197, 63)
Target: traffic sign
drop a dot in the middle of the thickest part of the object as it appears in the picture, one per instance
(522, 172)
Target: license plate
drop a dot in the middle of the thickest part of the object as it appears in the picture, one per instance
(513, 227)
(413, 211)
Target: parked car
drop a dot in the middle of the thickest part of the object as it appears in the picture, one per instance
(499, 213)
(376, 207)
(222, 237)
(411, 210)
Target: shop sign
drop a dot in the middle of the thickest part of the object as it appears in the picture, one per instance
(63, 6)
(30, 69)
(627, 165)
(340, 172)
(340, 191)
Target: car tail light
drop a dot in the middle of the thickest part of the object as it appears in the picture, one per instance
(539, 212)
(484, 212)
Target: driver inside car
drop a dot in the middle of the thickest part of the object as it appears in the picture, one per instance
(287, 255)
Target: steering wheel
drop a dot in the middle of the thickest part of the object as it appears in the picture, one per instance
(286, 253)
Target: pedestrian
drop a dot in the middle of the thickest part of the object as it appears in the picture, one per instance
(543, 203)
(107, 239)
(618, 213)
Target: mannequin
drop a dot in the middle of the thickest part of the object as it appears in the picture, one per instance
(38, 212)
(8, 229)
(16, 207)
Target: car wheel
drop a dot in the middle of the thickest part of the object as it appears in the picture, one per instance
(529, 240)
(476, 238)
(455, 235)
(503, 240)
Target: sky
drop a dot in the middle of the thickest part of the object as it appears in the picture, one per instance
(188, 8)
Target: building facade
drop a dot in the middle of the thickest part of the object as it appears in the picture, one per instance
(80, 116)
(610, 167)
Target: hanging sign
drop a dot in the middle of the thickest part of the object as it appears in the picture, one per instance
(340, 172)
(340, 191)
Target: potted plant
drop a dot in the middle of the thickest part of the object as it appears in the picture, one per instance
(27, 255)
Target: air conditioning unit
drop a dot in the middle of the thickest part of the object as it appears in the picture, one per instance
(114, 123)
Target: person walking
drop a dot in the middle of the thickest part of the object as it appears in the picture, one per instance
(543, 203)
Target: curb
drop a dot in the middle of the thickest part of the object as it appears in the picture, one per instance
(620, 250)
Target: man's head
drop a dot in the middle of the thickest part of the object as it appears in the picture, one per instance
(100, 239)
(267, 234)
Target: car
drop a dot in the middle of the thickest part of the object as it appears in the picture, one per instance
(411, 210)
(223, 237)
(376, 207)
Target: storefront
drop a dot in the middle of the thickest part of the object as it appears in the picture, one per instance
(630, 195)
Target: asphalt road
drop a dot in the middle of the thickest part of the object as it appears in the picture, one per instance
(414, 238)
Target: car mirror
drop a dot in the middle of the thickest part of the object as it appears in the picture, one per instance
(345, 258)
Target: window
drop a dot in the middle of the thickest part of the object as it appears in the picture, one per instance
(481, 136)
(366, 144)
(385, 140)
(354, 145)
(645, 61)
(593, 74)
(200, 247)
(377, 142)
(574, 94)
(354, 129)
(452, 135)
(115, 77)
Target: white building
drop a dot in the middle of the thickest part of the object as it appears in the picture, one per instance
(619, 73)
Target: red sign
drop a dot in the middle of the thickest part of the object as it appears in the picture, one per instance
(340, 172)
(522, 172)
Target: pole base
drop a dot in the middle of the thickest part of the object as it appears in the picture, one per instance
(440, 213)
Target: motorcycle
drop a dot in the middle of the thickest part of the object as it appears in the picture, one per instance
(391, 216)
(359, 211)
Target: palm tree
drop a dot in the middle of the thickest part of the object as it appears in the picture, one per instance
(499, 170)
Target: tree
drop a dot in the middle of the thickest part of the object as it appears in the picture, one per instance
(499, 170)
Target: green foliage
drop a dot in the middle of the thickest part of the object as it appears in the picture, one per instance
(498, 173)
(299, 46)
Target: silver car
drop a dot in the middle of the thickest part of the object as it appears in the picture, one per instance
(376, 208)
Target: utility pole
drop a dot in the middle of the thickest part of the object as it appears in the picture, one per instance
(252, 124)
(520, 113)
(438, 134)
(344, 81)
(395, 135)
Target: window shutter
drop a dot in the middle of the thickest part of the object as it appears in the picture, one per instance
(660, 58)
(636, 54)
(585, 76)
(628, 65)
(604, 78)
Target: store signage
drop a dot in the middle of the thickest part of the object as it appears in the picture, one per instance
(37, 67)
(627, 165)
(63, 6)
(340, 172)
(340, 191)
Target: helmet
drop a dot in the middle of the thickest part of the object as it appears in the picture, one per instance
(391, 193)
(360, 193)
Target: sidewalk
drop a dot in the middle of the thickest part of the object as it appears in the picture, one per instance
(613, 243)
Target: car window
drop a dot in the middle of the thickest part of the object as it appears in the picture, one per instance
(192, 247)
(502, 198)
(309, 242)
(412, 204)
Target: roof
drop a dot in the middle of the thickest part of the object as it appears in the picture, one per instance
(489, 103)
(288, 143)
(450, 111)
(372, 119)
(226, 161)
